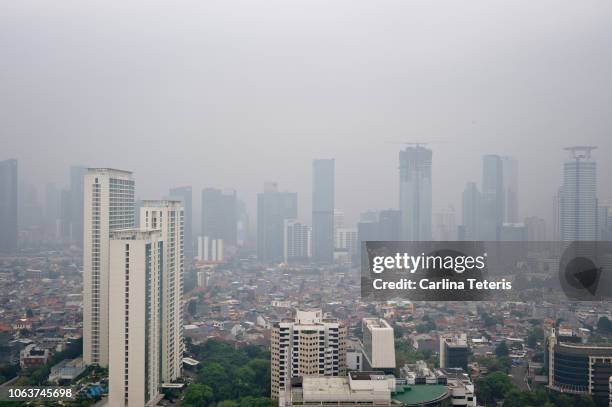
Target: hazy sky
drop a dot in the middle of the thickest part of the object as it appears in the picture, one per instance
(234, 93)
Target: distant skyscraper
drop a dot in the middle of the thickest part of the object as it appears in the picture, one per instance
(185, 196)
(471, 212)
(52, 211)
(323, 211)
(510, 171)
(389, 225)
(536, 229)
(297, 241)
(578, 219)
(219, 215)
(77, 172)
(136, 328)
(445, 225)
(415, 193)
(109, 206)
(273, 207)
(8, 205)
(168, 217)
(493, 201)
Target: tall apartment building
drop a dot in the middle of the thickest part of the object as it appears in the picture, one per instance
(415, 193)
(186, 197)
(378, 345)
(308, 345)
(297, 241)
(109, 205)
(135, 345)
(168, 217)
(220, 215)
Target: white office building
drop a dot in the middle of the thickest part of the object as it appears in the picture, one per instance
(108, 206)
(378, 345)
(167, 216)
(136, 270)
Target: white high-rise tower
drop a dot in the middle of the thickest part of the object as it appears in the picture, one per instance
(135, 345)
(578, 203)
(108, 206)
(168, 217)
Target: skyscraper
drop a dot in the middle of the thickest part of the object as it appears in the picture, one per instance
(297, 241)
(307, 345)
(8, 205)
(77, 173)
(323, 210)
(578, 203)
(109, 206)
(168, 217)
(389, 225)
(185, 196)
(52, 211)
(219, 215)
(273, 207)
(136, 340)
(415, 193)
(493, 201)
(471, 212)
(510, 176)
(454, 351)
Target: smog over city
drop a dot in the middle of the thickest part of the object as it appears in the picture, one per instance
(421, 185)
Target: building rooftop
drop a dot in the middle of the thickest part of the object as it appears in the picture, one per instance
(418, 394)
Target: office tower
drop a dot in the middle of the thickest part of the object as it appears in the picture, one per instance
(109, 206)
(493, 200)
(454, 351)
(65, 215)
(389, 225)
(273, 207)
(346, 246)
(444, 225)
(578, 220)
(219, 215)
(366, 231)
(210, 250)
(52, 211)
(510, 181)
(471, 212)
(168, 217)
(8, 205)
(297, 241)
(338, 219)
(513, 232)
(536, 229)
(415, 193)
(184, 195)
(378, 345)
(135, 312)
(30, 212)
(604, 220)
(77, 174)
(578, 368)
(323, 211)
(242, 226)
(308, 345)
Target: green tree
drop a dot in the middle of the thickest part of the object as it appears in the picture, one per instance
(198, 395)
(501, 351)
